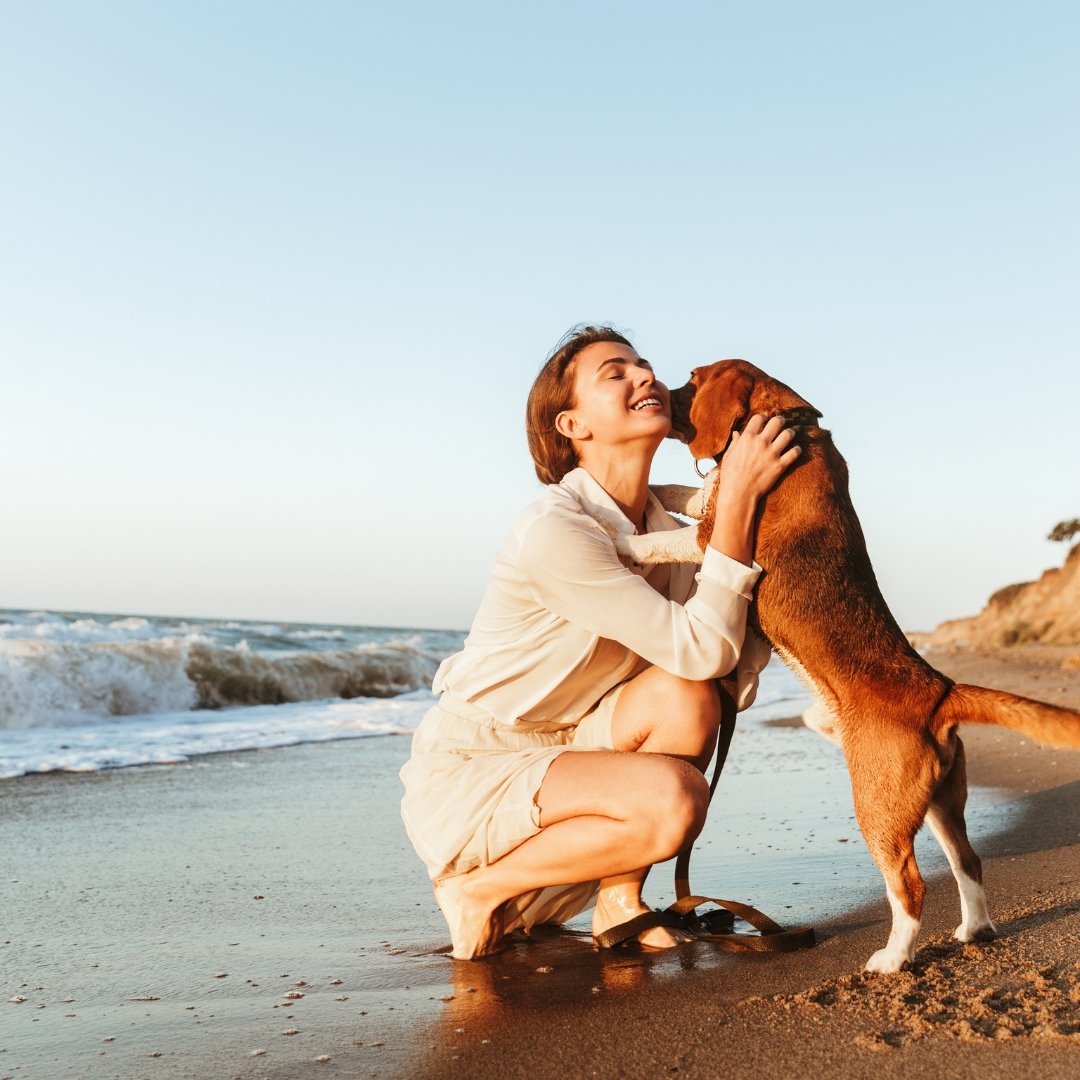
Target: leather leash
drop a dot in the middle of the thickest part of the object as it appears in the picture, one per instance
(719, 926)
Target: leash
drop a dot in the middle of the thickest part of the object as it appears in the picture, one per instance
(717, 926)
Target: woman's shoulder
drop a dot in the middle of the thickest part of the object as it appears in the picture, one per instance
(556, 515)
(556, 503)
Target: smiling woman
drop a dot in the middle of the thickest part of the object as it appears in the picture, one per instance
(574, 650)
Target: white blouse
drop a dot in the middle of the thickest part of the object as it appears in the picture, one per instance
(565, 618)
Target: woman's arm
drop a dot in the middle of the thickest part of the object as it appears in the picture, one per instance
(574, 571)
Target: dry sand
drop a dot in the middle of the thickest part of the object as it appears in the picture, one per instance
(261, 914)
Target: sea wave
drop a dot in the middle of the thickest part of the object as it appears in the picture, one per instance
(41, 625)
(62, 681)
(238, 676)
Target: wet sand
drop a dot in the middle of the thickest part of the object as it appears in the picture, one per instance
(262, 914)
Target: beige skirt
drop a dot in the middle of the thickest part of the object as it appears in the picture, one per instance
(470, 794)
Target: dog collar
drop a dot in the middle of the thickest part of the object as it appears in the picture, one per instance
(800, 417)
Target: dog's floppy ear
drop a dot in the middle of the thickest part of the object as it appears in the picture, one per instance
(721, 405)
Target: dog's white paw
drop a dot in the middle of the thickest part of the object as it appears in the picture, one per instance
(985, 931)
(818, 717)
(614, 528)
(887, 961)
(607, 521)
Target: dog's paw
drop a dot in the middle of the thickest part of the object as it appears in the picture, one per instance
(819, 717)
(980, 932)
(887, 961)
(609, 523)
(695, 506)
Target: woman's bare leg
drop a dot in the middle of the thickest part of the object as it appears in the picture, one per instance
(595, 826)
(657, 713)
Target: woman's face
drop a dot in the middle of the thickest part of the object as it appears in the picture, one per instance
(617, 398)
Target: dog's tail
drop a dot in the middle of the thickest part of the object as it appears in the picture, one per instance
(1046, 724)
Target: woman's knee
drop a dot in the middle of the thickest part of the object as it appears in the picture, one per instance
(670, 707)
(676, 807)
(701, 700)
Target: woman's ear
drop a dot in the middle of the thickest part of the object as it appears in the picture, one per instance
(568, 425)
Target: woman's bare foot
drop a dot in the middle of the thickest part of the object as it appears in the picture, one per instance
(618, 904)
(475, 924)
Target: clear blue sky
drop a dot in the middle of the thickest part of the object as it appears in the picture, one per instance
(275, 279)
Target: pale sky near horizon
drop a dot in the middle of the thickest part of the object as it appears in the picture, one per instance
(276, 278)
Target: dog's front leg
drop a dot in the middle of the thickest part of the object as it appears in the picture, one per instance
(676, 546)
(682, 499)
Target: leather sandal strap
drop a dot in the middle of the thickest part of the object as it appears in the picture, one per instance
(616, 935)
(772, 937)
(757, 919)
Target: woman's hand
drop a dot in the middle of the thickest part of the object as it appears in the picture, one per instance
(758, 457)
(752, 464)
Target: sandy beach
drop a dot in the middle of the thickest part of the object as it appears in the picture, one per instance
(262, 915)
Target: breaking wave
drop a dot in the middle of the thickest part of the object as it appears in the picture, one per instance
(60, 680)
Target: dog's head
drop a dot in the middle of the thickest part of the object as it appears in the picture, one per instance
(721, 397)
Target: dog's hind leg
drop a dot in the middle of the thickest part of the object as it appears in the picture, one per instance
(946, 820)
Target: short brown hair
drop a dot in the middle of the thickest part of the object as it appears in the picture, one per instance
(552, 392)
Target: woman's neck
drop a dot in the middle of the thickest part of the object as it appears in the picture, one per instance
(625, 478)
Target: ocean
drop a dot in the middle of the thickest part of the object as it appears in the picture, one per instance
(84, 691)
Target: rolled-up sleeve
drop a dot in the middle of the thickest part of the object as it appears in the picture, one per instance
(574, 571)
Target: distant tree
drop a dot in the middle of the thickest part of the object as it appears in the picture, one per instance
(1065, 530)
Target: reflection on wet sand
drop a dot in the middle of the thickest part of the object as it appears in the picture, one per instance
(554, 968)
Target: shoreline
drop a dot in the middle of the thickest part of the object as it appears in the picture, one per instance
(169, 911)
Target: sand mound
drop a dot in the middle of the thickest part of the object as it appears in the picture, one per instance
(1008, 988)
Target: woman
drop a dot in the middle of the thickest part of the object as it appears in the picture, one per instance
(566, 752)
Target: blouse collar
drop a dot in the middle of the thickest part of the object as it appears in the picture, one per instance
(594, 498)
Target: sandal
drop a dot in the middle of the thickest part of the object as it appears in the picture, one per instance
(623, 932)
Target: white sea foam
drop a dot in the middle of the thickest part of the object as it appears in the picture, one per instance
(54, 628)
(168, 738)
(47, 682)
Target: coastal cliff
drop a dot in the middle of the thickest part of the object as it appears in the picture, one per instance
(1043, 612)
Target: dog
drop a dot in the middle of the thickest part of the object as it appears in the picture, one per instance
(818, 604)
